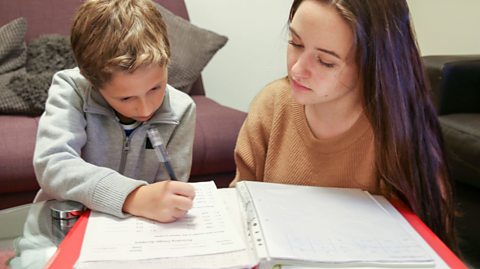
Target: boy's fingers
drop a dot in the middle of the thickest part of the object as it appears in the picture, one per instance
(183, 189)
(178, 213)
(182, 203)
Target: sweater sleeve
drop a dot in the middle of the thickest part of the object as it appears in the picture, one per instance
(60, 170)
(252, 142)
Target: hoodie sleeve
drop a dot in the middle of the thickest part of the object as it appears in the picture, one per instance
(61, 172)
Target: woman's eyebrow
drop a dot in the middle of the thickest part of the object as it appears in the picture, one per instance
(331, 52)
(293, 31)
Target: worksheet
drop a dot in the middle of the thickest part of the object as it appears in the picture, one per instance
(207, 229)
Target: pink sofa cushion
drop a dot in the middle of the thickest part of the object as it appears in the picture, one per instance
(56, 18)
(216, 133)
(16, 152)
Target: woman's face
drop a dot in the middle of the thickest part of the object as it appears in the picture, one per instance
(320, 56)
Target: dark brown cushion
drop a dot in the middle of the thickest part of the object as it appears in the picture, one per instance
(461, 133)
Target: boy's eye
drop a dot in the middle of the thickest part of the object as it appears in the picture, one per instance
(155, 89)
(125, 99)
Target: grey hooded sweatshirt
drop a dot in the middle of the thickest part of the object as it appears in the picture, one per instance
(83, 154)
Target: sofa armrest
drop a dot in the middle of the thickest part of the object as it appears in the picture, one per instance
(16, 153)
(455, 81)
(216, 133)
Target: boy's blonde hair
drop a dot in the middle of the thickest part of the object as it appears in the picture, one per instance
(109, 36)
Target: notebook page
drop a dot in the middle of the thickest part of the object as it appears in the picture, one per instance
(439, 263)
(235, 259)
(206, 229)
(330, 225)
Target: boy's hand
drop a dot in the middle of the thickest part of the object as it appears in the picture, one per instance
(164, 201)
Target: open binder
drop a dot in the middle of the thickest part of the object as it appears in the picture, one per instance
(325, 227)
(278, 221)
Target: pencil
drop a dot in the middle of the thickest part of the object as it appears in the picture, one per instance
(161, 151)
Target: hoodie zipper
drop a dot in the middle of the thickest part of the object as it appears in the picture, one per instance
(123, 159)
(126, 142)
(125, 149)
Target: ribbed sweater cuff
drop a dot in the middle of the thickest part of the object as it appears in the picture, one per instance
(111, 191)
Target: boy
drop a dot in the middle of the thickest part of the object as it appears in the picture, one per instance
(92, 144)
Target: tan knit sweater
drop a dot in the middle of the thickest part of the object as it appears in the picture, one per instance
(275, 144)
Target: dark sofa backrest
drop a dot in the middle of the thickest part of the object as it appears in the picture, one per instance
(55, 16)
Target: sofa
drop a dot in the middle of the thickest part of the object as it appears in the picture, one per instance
(217, 126)
(455, 81)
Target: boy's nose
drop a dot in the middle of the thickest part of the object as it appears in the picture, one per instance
(145, 109)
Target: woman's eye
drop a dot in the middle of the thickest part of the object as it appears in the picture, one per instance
(296, 45)
(328, 65)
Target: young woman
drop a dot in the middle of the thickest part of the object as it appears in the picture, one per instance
(354, 111)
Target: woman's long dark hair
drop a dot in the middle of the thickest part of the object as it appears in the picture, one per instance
(409, 156)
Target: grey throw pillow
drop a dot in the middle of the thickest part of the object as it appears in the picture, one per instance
(10, 102)
(49, 53)
(192, 48)
(46, 55)
(12, 46)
